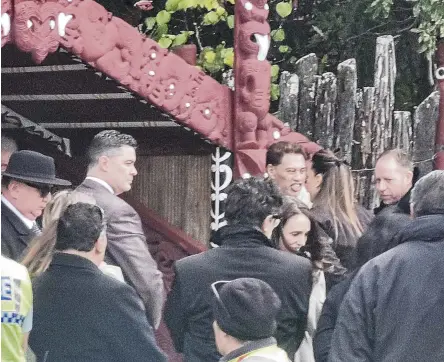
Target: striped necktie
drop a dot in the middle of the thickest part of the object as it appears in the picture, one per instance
(35, 229)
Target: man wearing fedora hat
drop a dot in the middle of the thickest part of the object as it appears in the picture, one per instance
(26, 189)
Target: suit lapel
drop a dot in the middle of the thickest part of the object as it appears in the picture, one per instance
(23, 233)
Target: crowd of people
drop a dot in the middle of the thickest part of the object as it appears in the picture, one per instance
(301, 272)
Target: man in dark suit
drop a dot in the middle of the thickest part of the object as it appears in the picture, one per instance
(252, 212)
(81, 314)
(110, 172)
(26, 189)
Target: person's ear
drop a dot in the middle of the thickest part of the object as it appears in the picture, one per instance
(271, 171)
(269, 224)
(318, 180)
(409, 177)
(103, 163)
(101, 243)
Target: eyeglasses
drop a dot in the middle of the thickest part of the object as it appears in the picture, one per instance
(43, 189)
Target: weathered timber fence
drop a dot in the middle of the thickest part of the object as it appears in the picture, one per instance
(359, 123)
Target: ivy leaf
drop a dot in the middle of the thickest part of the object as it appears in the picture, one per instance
(278, 34)
(229, 57)
(221, 11)
(231, 1)
(162, 30)
(275, 91)
(210, 56)
(165, 42)
(274, 72)
(230, 21)
(210, 4)
(284, 49)
(210, 18)
(172, 5)
(163, 17)
(283, 9)
(181, 39)
(149, 23)
(187, 4)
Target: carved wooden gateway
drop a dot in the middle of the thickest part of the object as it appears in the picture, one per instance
(86, 29)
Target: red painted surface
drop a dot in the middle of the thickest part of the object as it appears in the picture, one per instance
(194, 99)
(439, 140)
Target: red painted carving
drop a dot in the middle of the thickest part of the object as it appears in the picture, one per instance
(196, 100)
(255, 129)
(439, 140)
(6, 20)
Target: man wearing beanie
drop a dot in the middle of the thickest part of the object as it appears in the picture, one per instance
(245, 311)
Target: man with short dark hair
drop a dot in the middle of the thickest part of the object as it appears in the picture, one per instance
(81, 314)
(245, 312)
(286, 165)
(394, 309)
(111, 171)
(394, 178)
(252, 212)
(26, 189)
(9, 146)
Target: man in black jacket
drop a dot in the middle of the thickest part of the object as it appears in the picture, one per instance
(394, 310)
(252, 213)
(80, 314)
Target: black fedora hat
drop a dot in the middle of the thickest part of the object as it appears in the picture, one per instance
(31, 166)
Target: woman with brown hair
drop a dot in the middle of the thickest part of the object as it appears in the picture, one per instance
(299, 233)
(331, 187)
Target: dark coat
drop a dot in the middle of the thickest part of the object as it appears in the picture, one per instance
(127, 248)
(394, 309)
(243, 253)
(15, 234)
(80, 314)
(402, 206)
(344, 235)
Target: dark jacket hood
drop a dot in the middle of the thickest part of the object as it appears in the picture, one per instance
(429, 228)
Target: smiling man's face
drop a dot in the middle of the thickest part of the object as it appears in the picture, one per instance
(290, 174)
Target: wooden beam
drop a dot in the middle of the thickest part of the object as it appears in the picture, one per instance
(44, 68)
(64, 97)
(111, 124)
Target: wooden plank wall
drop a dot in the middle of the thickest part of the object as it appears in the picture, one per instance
(177, 187)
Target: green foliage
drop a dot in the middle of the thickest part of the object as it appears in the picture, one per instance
(284, 9)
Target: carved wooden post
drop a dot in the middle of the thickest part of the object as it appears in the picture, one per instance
(424, 122)
(385, 74)
(402, 131)
(252, 82)
(439, 140)
(6, 16)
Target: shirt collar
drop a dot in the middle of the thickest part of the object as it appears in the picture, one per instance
(100, 181)
(26, 221)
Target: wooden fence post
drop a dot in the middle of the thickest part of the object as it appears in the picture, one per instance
(325, 103)
(288, 102)
(345, 115)
(385, 74)
(424, 128)
(306, 69)
(402, 131)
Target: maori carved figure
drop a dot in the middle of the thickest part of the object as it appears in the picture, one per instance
(252, 73)
(115, 48)
(6, 20)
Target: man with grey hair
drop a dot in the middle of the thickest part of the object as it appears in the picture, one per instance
(394, 178)
(394, 309)
(8, 148)
(111, 171)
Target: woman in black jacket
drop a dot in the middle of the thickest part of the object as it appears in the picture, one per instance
(330, 184)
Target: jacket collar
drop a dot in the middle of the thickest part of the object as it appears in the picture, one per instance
(240, 236)
(428, 228)
(73, 261)
(249, 347)
(91, 184)
(403, 204)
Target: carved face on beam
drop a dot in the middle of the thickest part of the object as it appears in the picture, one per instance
(255, 87)
(253, 10)
(6, 21)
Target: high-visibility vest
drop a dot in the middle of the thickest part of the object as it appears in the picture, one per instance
(267, 354)
(16, 303)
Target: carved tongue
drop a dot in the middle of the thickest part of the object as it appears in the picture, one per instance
(6, 24)
(264, 43)
(62, 20)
